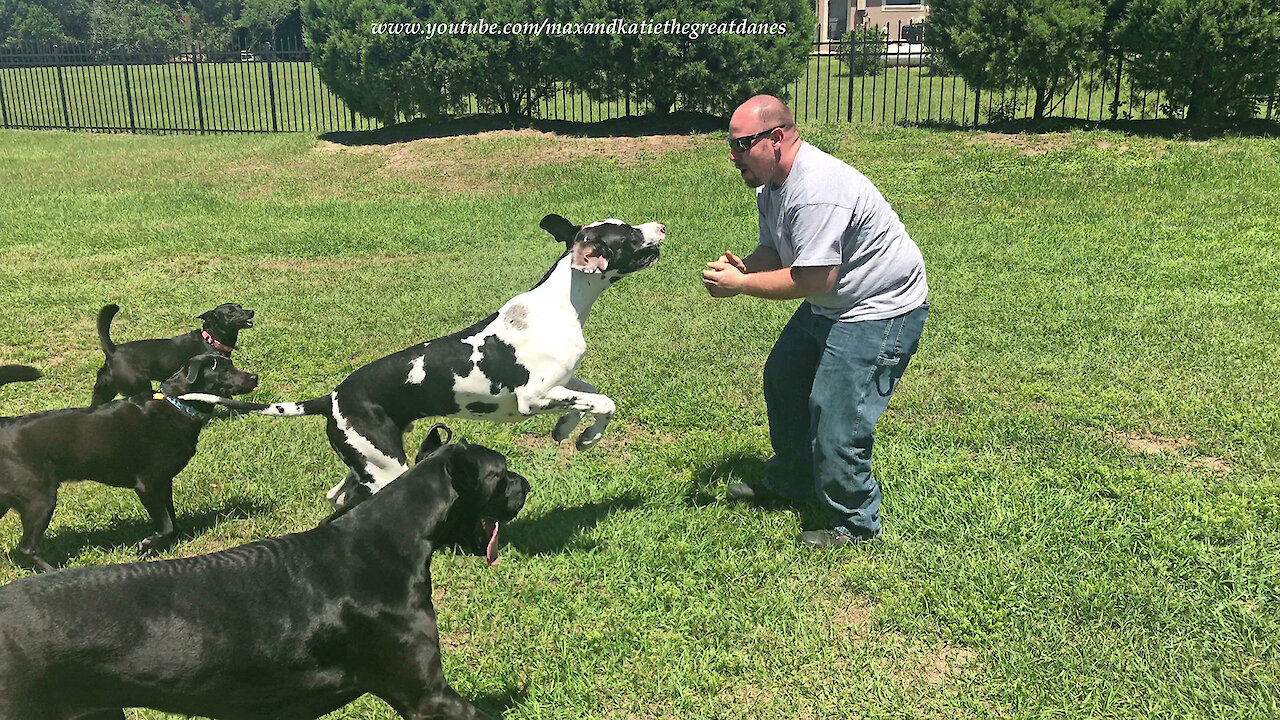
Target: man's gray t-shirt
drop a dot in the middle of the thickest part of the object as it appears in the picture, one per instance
(827, 213)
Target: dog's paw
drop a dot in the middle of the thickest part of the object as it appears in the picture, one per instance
(565, 425)
(154, 543)
(588, 439)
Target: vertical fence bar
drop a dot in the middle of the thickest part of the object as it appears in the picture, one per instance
(270, 91)
(1115, 103)
(195, 72)
(4, 100)
(62, 93)
(128, 94)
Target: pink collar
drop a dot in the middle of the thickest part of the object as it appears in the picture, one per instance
(216, 345)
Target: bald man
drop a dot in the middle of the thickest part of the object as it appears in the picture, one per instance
(828, 236)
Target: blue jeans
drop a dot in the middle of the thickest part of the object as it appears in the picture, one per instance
(826, 383)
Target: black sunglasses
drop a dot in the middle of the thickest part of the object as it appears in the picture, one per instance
(742, 144)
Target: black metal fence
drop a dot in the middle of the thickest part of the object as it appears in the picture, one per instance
(278, 90)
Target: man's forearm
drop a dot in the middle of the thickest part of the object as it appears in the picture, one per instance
(780, 284)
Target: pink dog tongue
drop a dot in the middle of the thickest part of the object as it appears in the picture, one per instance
(491, 551)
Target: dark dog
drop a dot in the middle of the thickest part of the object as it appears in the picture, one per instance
(140, 443)
(514, 364)
(294, 627)
(131, 367)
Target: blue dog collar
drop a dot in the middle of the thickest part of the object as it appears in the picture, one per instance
(201, 416)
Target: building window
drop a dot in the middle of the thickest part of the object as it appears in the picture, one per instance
(890, 3)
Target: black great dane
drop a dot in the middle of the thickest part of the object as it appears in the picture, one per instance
(287, 629)
(514, 364)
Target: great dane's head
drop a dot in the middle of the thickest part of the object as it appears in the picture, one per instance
(610, 247)
(487, 493)
(211, 374)
(226, 319)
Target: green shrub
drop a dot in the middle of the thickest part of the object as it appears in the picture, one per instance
(711, 72)
(1217, 59)
(864, 50)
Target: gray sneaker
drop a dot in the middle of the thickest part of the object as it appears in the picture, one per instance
(821, 539)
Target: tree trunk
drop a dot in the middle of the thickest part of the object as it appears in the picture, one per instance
(1042, 101)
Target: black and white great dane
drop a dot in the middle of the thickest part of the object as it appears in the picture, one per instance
(514, 364)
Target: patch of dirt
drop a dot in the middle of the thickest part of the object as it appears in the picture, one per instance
(470, 163)
(1025, 144)
(1215, 464)
(1149, 444)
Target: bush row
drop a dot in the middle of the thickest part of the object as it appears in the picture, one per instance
(1214, 60)
(389, 59)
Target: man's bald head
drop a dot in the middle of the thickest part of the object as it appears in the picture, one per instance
(764, 111)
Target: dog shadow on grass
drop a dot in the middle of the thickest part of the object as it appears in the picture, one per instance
(565, 528)
(711, 480)
(497, 704)
(58, 548)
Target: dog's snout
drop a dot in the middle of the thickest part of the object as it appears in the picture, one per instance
(662, 228)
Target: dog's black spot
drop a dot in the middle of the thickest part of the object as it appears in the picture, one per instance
(480, 408)
(498, 363)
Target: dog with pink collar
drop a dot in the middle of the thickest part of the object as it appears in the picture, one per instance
(130, 367)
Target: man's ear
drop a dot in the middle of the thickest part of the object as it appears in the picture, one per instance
(588, 257)
(437, 437)
(560, 228)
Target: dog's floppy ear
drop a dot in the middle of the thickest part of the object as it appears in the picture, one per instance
(194, 367)
(560, 228)
(589, 257)
(207, 314)
(468, 466)
(438, 436)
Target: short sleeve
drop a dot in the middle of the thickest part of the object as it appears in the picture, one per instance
(818, 230)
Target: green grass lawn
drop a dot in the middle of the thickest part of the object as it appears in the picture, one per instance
(1081, 467)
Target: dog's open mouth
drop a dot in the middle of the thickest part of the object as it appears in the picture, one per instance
(490, 529)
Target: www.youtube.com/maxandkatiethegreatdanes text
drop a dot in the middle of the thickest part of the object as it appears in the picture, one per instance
(617, 26)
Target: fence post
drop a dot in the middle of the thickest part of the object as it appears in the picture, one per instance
(128, 94)
(1115, 104)
(195, 70)
(977, 103)
(271, 88)
(4, 102)
(62, 93)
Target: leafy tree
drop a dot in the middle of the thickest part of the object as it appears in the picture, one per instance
(388, 75)
(1215, 58)
(135, 26)
(260, 18)
(512, 73)
(995, 45)
(43, 22)
(713, 71)
(865, 49)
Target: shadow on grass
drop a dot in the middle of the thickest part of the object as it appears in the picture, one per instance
(555, 531)
(1169, 128)
(709, 483)
(676, 123)
(57, 548)
(497, 704)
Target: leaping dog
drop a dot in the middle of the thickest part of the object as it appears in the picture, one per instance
(514, 364)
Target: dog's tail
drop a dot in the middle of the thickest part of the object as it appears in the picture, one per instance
(18, 373)
(105, 316)
(314, 406)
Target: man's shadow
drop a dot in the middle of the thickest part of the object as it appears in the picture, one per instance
(710, 481)
(564, 527)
